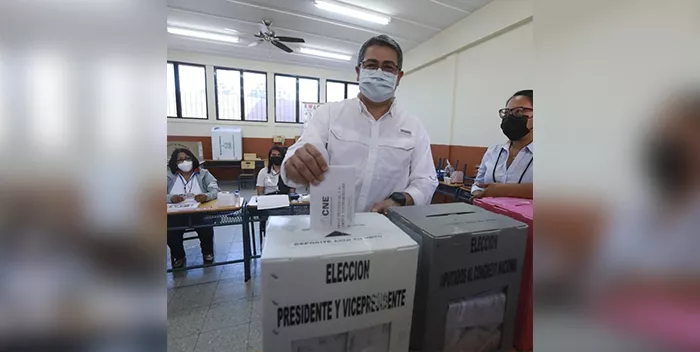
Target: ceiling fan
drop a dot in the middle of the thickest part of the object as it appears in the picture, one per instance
(268, 35)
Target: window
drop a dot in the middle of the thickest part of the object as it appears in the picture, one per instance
(337, 91)
(240, 95)
(290, 93)
(172, 103)
(187, 95)
(353, 90)
(308, 93)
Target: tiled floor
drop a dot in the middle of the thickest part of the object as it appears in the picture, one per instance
(213, 309)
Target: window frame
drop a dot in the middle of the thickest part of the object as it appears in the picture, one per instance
(296, 99)
(241, 72)
(345, 87)
(178, 98)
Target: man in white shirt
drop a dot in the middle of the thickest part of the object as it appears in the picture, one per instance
(389, 148)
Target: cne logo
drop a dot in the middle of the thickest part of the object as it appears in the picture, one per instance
(325, 206)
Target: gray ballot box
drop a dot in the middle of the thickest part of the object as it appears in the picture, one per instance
(468, 279)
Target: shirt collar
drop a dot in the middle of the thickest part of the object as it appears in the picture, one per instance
(393, 109)
(529, 147)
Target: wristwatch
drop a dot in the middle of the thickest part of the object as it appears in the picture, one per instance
(399, 198)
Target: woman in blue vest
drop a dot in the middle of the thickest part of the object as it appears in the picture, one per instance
(186, 181)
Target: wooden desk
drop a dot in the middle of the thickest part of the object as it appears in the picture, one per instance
(233, 166)
(213, 215)
(465, 194)
(209, 163)
(449, 189)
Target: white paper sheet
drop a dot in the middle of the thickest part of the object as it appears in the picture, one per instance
(273, 201)
(186, 205)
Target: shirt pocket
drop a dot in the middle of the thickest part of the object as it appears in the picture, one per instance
(395, 155)
(347, 147)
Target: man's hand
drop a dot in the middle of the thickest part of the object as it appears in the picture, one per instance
(201, 198)
(177, 199)
(383, 206)
(306, 166)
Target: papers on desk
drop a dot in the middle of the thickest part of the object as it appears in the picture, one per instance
(186, 205)
(273, 201)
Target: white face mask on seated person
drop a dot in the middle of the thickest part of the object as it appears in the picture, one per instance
(185, 166)
(377, 85)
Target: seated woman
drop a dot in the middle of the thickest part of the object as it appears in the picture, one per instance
(269, 180)
(506, 169)
(188, 182)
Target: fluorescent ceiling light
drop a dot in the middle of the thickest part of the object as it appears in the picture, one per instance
(325, 54)
(230, 30)
(203, 35)
(352, 12)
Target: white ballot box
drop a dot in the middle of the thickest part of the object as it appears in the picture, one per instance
(226, 143)
(341, 290)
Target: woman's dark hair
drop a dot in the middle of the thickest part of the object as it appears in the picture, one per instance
(172, 164)
(527, 93)
(282, 150)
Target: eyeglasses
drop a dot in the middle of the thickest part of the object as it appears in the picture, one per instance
(517, 112)
(386, 66)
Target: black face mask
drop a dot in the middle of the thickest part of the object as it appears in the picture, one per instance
(515, 128)
(276, 160)
(666, 161)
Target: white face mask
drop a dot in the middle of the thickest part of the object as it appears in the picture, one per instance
(377, 85)
(185, 166)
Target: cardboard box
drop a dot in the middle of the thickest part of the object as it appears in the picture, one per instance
(521, 210)
(466, 253)
(350, 291)
(249, 156)
(226, 143)
(194, 147)
(278, 139)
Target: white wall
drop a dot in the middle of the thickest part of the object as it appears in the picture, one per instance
(488, 21)
(487, 75)
(603, 68)
(177, 127)
(458, 96)
(428, 94)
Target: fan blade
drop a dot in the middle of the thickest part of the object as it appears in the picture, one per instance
(290, 39)
(281, 46)
(255, 43)
(263, 27)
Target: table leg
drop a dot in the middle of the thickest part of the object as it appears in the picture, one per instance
(246, 245)
(252, 237)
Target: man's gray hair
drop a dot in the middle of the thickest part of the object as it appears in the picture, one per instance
(381, 40)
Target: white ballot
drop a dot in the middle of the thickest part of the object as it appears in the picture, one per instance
(333, 200)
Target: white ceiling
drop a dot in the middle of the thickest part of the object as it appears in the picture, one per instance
(413, 22)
